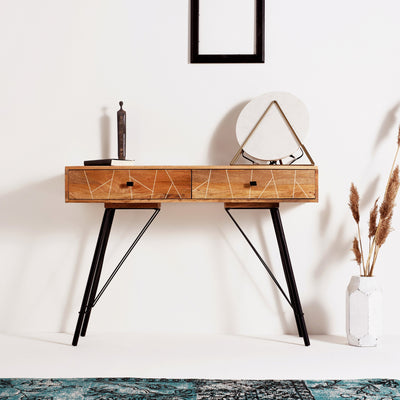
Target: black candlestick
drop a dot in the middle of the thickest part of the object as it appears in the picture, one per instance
(121, 116)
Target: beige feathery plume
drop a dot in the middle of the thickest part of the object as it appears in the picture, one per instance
(373, 215)
(356, 251)
(383, 230)
(386, 208)
(398, 138)
(378, 231)
(387, 205)
(354, 203)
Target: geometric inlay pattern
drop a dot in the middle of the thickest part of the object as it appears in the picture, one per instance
(267, 184)
(147, 184)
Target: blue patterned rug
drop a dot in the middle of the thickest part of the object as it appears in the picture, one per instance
(191, 389)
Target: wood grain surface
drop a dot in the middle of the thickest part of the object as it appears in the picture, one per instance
(254, 184)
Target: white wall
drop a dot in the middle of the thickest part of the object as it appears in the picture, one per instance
(64, 67)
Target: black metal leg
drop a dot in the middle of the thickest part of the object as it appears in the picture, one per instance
(260, 258)
(284, 257)
(289, 275)
(135, 242)
(90, 298)
(100, 249)
(109, 215)
(294, 300)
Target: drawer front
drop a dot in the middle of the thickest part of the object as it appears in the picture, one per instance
(128, 184)
(255, 184)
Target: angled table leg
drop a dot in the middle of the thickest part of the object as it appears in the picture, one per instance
(95, 271)
(90, 296)
(109, 212)
(294, 301)
(289, 275)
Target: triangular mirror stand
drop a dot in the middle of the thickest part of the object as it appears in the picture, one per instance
(241, 152)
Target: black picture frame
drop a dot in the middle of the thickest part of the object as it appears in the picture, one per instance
(256, 57)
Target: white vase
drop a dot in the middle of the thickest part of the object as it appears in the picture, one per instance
(363, 311)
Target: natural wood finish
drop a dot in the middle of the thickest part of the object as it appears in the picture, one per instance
(105, 184)
(273, 184)
(133, 205)
(283, 184)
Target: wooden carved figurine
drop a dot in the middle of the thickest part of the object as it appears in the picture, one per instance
(121, 116)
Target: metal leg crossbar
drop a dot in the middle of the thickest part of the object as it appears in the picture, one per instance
(294, 301)
(89, 298)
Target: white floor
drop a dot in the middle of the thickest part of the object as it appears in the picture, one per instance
(185, 356)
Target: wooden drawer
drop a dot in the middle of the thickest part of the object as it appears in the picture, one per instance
(256, 184)
(110, 184)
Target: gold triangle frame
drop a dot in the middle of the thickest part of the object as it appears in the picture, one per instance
(239, 152)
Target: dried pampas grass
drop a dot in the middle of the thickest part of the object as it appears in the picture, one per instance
(379, 229)
(383, 231)
(357, 252)
(373, 216)
(354, 203)
(390, 194)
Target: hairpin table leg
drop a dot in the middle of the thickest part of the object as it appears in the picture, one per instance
(94, 274)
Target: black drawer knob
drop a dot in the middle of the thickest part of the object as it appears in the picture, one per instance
(253, 183)
(129, 183)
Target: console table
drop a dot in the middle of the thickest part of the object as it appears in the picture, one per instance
(146, 187)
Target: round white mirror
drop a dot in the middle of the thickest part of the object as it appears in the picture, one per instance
(267, 131)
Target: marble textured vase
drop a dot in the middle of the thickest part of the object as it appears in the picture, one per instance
(363, 311)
